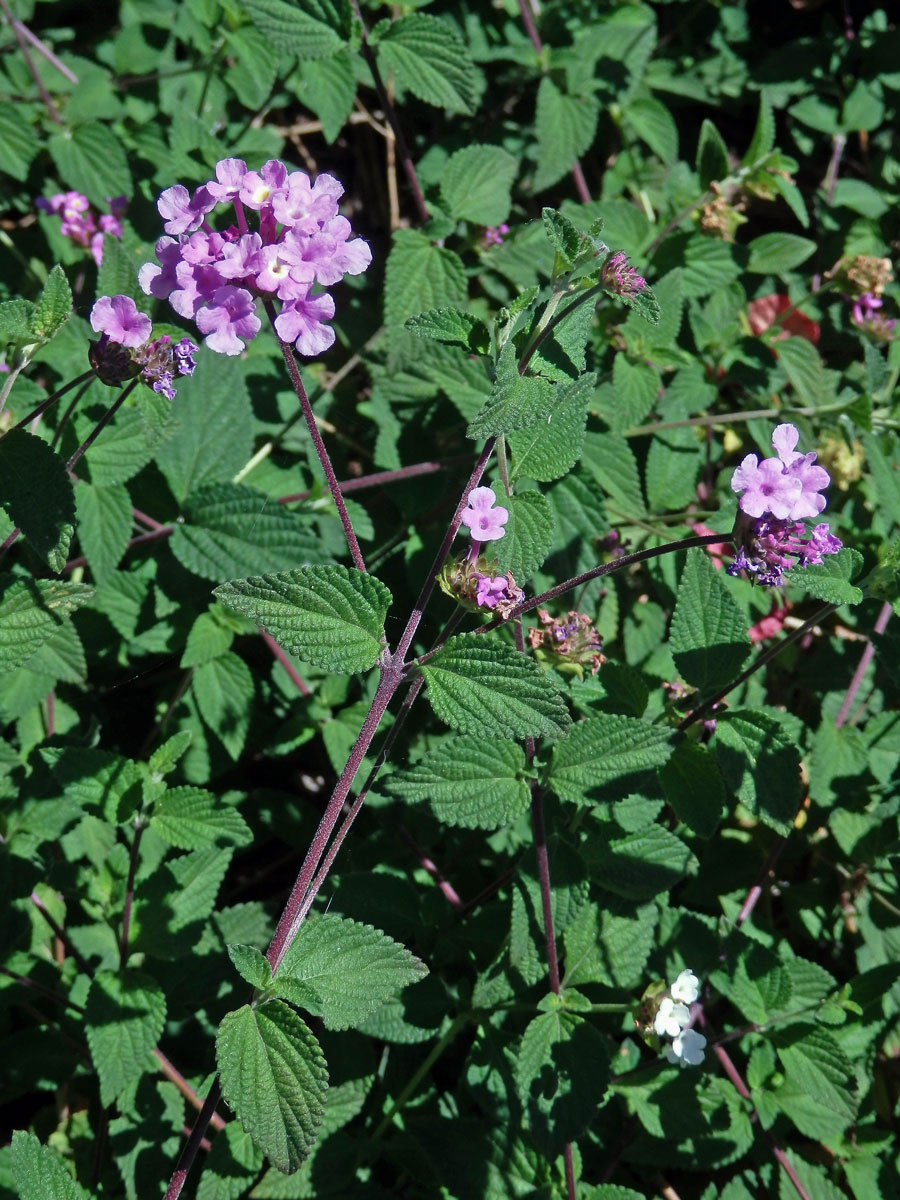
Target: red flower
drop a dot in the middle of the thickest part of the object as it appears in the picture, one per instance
(764, 312)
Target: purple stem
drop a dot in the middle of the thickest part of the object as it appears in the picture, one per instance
(859, 674)
(171, 1072)
(447, 889)
(61, 934)
(101, 424)
(29, 62)
(287, 351)
(57, 395)
(192, 1145)
(379, 477)
(285, 661)
(46, 51)
(755, 892)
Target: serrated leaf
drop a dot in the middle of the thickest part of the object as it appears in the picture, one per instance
(231, 528)
(761, 764)
(452, 327)
(275, 1078)
(636, 386)
(712, 155)
(15, 320)
(776, 253)
(817, 1068)
(566, 238)
(329, 89)
(251, 964)
(759, 984)
(419, 277)
(472, 782)
(208, 639)
(476, 183)
(104, 525)
(528, 535)
(516, 401)
(565, 127)
(830, 579)
(36, 491)
(709, 633)
(343, 971)
(551, 447)
(562, 1072)
(39, 1174)
(163, 760)
(642, 864)
(224, 691)
(430, 59)
(654, 124)
(53, 308)
(763, 135)
(31, 611)
(124, 1019)
(479, 685)
(18, 142)
(91, 160)
(191, 819)
(694, 788)
(213, 442)
(332, 617)
(299, 27)
(603, 750)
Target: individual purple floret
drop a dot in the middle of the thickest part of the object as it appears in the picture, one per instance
(619, 277)
(215, 277)
(125, 351)
(778, 493)
(483, 517)
(867, 318)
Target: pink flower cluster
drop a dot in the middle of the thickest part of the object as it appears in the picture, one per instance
(214, 277)
(79, 223)
(778, 494)
(125, 350)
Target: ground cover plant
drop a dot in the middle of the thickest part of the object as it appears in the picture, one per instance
(449, 501)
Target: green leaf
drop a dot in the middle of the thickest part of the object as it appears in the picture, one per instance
(191, 819)
(343, 971)
(709, 633)
(214, 440)
(761, 765)
(164, 759)
(39, 1174)
(479, 685)
(654, 124)
(516, 401)
(453, 327)
(568, 240)
(120, 451)
(528, 535)
(830, 579)
(53, 308)
(274, 1077)
(777, 253)
(763, 135)
(15, 320)
(694, 788)
(36, 491)
(332, 617)
(104, 525)
(755, 981)
(712, 155)
(565, 126)
(817, 1069)
(636, 386)
(430, 59)
(209, 638)
(230, 529)
(299, 28)
(251, 964)
(91, 160)
(419, 277)
(329, 89)
(472, 782)
(551, 447)
(31, 612)
(562, 1072)
(18, 142)
(640, 865)
(603, 750)
(476, 183)
(124, 1019)
(224, 692)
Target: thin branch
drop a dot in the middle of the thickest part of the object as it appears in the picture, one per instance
(29, 62)
(860, 673)
(45, 50)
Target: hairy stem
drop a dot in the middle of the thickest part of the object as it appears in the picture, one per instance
(860, 673)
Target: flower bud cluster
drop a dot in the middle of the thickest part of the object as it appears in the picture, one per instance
(79, 223)
(618, 277)
(778, 493)
(568, 643)
(125, 349)
(214, 277)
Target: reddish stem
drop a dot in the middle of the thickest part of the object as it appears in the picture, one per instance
(859, 674)
(29, 62)
(285, 661)
(374, 480)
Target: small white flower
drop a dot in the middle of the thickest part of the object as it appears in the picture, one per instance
(670, 1018)
(686, 987)
(687, 1048)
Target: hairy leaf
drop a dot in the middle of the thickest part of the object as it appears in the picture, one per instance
(469, 781)
(31, 612)
(124, 1018)
(427, 56)
(36, 492)
(39, 1174)
(709, 634)
(604, 750)
(190, 818)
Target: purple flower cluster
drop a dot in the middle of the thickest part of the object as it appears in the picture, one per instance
(79, 223)
(214, 277)
(125, 350)
(568, 643)
(867, 318)
(619, 277)
(778, 493)
(494, 234)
